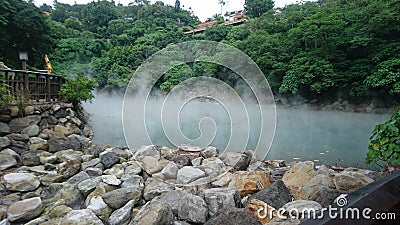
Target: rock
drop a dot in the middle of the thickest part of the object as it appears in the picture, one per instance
(173, 199)
(36, 143)
(197, 161)
(21, 181)
(109, 158)
(18, 124)
(4, 142)
(275, 195)
(299, 207)
(193, 209)
(297, 176)
(111, 180)
(29, 110)
(88, 185)
(170, 171)
(231, 159)
(209, 152)
(189, 174)
(79, 177)
(239, 216)
(32, 130)
(250, 182)
(181, 161)
(374, 175)
(91, 163)
(117, 170)
(18, 137)
(317, 180)
(220, 198)
(122, 215)
(348, 181)
(153, 213)
(150, 150)
(151, 165)
(62, 131)
(222, 180)
(324, 195)
(71, 196)
(325, 171)
(122, 153)
(99, 207)
(30, 158)
(119, 197)
(213, 168)
(4, 129)
(69, 155)
(75, 217)
(179, 223)
(133, 169)
(69, 168)
(155, 187)
(261, 211)
(5, 118)
(132, 181)
(6, 161)
(25, 209)
(59, 211)
(73, 141)
(94, 172)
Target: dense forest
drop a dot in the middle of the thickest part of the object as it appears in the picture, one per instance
(313, 49)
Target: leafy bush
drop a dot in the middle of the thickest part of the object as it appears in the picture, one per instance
(78, 89)
(385, 142)
(5, 96)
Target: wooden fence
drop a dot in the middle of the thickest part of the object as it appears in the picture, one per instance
(37, 86)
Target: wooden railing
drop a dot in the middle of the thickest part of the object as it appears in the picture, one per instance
(38, 86)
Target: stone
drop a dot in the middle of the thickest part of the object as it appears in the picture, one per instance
(47, 157)
(275, 195)
(30, 158)
(89, 185)
(29, 110)
(173, 199)
(180, 223)
(155, 187)
(99, 207)
(4, 129)
(117, 170)
(374, 175)
(151, 165)
(324, 195)
(214, 168)
(71, 196)
(250, 182)
(91, 163)
(240, 216)
(69, 168)
(170, 171)
(132, 181)
(4, 142)
(348, 181)
(67, 155)
(109, 158)
(300, 207)
(94, 172)
(197, 161)
(18, 137)
(325, 171)
(59, 211)
(181, 161)
(5, 118)
(231, 158)
(209, 152)
(193, 209)
(133, 169)
(6, 161)
(32, 130)
(119, 197)
(317, 180)
(62, 131)
(18, 124)
(122, 215)
(25, 209)
(150, 150)
(73, 141)
(111, 180)
(188, 174)
(219, 198)
(297, 176)
(75, 217)
(261, 211)
(19, 146)
(153, 213)
(21, 181)
(222, 180)
(36, 143)
(79, 177)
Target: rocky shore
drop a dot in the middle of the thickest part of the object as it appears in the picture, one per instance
(51, 173)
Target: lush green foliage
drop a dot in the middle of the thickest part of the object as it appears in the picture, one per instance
(5, 97)
(79, 88)
(255, 8)
(385, 142)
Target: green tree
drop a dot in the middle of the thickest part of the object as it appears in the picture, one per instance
(78, 89)
(255, 8)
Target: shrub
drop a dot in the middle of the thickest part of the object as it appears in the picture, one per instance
(5, 96)
(385, 142)
(78, 89)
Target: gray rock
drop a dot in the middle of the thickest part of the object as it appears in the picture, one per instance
(193, 209)
(70, 196)
(109, 158)
(209, 151)
(32, 130)
(69, 168)
(25, 209)
(119, 197)
(197, 161)
(88, 185)
(18, 137)
(94, 172)
(374, 175)
(151, 165)
(73, 141)
(153, 213)
(239, 216)
(181, 161)
(4, 129)
(19, 146)
(4, 142)
(79, 177)
(324, 195)
(348, 181)
(133, 169)
(70, 154)
(214, 168)
(132, 181)
(36, 143)
(30, 158)
(18, 124)
(91, 163)
(99, 207)
(220, 198)
(155, 187)
(275, 195)
(29, 110)
(188, 174)
(179, 223)
(81, 217)
(122, 215)
(21, 181)
(6, 161)
(170, 171)
(111, 180)
(173, 199)
(239, 161)
(150, 150)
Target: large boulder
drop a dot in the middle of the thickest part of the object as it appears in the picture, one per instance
(275, 195)
(7, 161)
(119, 197)
(250, 182)
(21, 181)
(155, 187)
(348, 181)
(237, 216)
(297, 176)
(4, 142)
(4, 129)
(192, 208)
(153, 213)
(188, 174)
(32, 130)
(173, 199)
(109, 158)
(122, 215)
(25, 209)
(150, 150)
(18, 124)
(80, 217)
(219, 198)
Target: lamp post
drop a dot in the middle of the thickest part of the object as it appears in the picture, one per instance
(23, 56)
